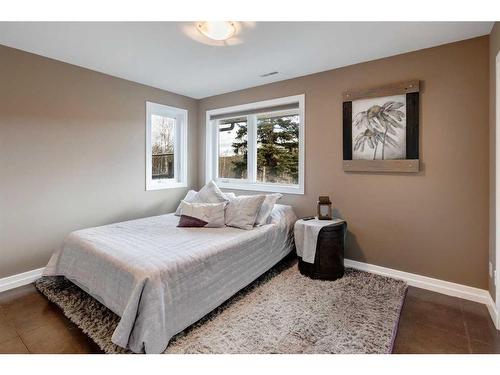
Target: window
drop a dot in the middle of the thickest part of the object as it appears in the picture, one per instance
(278, 148)
(233, 156)
(166, 143)
(258, 146)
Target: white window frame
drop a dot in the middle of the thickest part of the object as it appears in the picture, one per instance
(180, 147)
(212, 151)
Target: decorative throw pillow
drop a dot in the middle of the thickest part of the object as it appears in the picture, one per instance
(191, 194)
(266, 208)
(188, 198)
(241, 211)
(210, 193)
(208, 215)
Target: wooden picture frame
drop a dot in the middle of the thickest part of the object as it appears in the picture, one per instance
(407, 164)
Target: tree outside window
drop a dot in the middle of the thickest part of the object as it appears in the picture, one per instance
(277, 150)
(162, 146)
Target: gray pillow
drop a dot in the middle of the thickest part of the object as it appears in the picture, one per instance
(266, 208)
(241, 211)
(210, 193)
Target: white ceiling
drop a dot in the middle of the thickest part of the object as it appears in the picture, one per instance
(173, 56)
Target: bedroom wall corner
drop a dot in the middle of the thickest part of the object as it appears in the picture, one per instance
(494, 44)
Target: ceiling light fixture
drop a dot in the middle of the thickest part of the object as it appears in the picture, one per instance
(221, 30)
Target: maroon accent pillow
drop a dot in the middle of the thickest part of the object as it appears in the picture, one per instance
(189, 221)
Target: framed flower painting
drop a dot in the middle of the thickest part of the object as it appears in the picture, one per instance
(380, 128)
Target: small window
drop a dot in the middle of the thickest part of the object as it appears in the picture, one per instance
(166, 142)
(258, 146)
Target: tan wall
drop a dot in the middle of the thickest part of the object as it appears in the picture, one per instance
(72, 154)
(433, 223)
(494, 49)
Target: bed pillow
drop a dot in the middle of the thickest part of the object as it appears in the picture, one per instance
(208, 215)
(241, 211)
(188, 198)
(210, 193)
(266, 208)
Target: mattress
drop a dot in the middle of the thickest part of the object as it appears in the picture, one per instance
(159, 278)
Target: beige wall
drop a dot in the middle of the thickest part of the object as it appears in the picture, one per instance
(72, 154)
(433, 223)
(494, 49)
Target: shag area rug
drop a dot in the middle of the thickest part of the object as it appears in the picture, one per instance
(281, 312)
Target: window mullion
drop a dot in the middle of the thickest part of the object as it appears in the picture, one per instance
(177, 150)
(211, 146)
(215, 153)
(252, 148)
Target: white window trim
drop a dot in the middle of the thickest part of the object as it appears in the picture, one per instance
(180, 150)
(212, 153)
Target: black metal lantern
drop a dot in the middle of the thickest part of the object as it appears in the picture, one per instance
(324, 208)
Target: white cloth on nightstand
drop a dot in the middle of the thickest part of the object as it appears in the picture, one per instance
(306, 235)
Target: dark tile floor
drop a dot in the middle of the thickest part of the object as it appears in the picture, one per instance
(430, 323)
(434, 323)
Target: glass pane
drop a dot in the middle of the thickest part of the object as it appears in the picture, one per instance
(233, 148)
(162, 145)
(278, 149)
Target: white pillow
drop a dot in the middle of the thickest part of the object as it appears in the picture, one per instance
(210, 193)
(241, 211)
(192, 193)
(208, 215)
(188, 198)
(266, 208)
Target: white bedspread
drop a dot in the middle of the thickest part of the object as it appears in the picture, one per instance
(159, 278)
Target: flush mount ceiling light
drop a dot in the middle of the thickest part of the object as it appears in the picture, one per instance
(220, 30)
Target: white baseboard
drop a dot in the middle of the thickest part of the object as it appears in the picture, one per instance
(435, 285)
(492, 309)
(424, 282)
(20, 279)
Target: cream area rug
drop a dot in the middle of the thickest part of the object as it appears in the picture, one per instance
(281, 312)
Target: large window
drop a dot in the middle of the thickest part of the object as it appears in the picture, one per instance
(166, 142)
(258, 146)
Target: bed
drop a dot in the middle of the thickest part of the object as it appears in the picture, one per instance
(159, 278)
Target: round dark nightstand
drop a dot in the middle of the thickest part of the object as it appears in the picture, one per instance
(329, 257)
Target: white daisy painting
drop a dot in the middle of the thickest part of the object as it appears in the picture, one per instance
(379, 128)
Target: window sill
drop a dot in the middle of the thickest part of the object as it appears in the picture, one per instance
(165, 185)
(272, 188)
